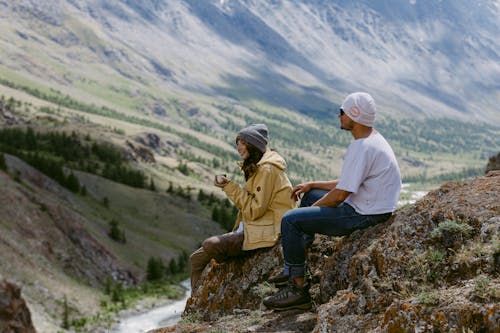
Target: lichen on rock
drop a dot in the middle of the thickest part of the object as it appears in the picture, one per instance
(433, 267)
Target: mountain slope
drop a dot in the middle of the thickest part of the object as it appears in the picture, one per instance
(201, 70)
(414, 56)
(55, 244)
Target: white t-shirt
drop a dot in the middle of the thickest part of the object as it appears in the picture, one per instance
(371, 172)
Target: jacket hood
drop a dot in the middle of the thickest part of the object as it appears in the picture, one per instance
(273, 158)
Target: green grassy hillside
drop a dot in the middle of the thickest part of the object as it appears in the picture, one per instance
(57, 240)
(57, 244)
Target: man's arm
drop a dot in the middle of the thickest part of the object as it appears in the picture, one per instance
(333, 198)
(306, 187)
(325, 185)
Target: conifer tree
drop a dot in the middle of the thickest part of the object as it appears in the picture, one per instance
(154, 269)
(72, 183)
(115, 232)
(215, 214)
(65, 323)
(182, 260)
(30, 139)
(201, 195)
(172, 266)
(3, 164)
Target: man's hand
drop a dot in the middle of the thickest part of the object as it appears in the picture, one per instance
(299, 189)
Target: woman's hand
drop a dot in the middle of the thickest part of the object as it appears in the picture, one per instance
(299, 189)
(222, 184)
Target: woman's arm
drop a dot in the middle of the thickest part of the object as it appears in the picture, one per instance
(254, 202)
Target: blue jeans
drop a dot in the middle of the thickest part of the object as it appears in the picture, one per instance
(299, 225)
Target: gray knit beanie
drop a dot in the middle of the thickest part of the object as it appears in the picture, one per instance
(256, 135)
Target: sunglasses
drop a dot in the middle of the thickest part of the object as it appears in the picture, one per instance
(342, 112)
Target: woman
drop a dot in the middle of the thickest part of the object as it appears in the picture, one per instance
(261, 201)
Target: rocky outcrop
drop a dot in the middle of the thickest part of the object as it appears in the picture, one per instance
(434, 267)
(493, 163)
(15, 316)
(6, 115)
(234, 284)
(139, 153)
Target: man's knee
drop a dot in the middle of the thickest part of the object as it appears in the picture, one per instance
(288, 219)
(306, 199)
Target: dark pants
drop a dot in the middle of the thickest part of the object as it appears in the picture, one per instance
(218, 247)
(299, 225)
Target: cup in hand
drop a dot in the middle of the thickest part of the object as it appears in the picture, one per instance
(218, 179)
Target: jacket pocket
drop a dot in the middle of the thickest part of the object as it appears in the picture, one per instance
(263, 231)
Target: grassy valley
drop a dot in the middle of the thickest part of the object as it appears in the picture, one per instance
(114, 119)
(428, 149)
(80, 237)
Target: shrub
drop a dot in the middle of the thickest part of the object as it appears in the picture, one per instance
(117, 293)
(450, 234)
(428, 298)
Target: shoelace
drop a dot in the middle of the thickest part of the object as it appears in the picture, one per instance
(284, 293)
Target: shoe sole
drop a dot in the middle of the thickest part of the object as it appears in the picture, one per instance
(305, 306)
(281, 284)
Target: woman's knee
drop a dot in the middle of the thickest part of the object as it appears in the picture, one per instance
(210, 244)
(198, 260)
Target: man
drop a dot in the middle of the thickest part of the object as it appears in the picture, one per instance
(366, 193)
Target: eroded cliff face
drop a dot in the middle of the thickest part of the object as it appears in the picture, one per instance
(434, 266)
(14, 313)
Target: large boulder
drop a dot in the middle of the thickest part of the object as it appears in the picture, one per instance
(233, 284)
(15, 316)
(433, 267)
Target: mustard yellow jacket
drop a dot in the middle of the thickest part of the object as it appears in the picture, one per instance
(262, 201)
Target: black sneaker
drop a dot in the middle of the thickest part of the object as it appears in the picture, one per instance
(290, 297)
(279, 280)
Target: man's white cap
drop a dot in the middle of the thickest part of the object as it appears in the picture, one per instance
(360, 107)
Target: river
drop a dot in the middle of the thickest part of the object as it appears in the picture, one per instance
(165, 315)
(409, 196)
